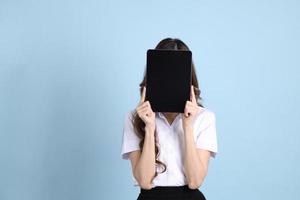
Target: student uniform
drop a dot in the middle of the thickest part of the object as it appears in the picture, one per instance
(172, 184)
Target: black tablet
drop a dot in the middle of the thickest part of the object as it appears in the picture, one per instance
(168, 79)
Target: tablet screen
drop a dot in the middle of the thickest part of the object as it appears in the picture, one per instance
(168, 79)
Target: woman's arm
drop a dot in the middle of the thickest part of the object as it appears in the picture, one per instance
(196, 160)
(143, 163)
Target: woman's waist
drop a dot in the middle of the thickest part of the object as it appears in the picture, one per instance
(167, 190)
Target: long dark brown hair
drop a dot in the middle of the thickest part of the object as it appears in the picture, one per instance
(138, 123)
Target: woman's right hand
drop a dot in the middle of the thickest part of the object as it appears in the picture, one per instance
(145, 112)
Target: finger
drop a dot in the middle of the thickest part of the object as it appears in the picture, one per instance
(148, 102)
(190, 106)
(143, 110)
(143, 105)
(190, 111)
(193, 98)
(147, 108)
(186, 111)
(189, 103)
(143, 95)
(147, 113)
(143, 114)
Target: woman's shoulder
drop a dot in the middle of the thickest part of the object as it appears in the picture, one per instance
(129, 113)
(206, 112)
(204, 117)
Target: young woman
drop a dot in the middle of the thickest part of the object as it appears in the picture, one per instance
(170, 152)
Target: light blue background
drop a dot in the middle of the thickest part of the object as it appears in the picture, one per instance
(69, 70)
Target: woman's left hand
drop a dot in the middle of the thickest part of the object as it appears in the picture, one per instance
(190, 111)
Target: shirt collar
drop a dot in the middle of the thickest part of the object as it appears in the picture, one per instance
(160, 115)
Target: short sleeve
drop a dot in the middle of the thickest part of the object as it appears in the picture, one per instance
(130, 141)
(207, 137)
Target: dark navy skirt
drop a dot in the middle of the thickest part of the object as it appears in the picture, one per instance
(171, 193)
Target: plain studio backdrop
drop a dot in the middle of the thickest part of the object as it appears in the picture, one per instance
(69, 71)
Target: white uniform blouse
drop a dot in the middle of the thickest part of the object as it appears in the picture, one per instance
(171, 144)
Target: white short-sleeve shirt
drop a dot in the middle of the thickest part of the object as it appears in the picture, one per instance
(171, 144)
